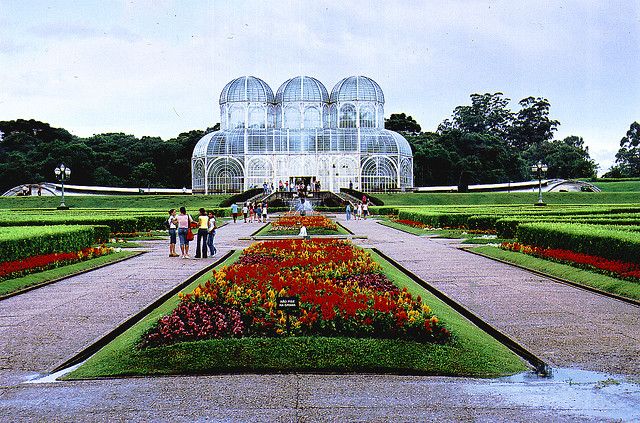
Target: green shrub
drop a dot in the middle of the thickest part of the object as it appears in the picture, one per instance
(18, 243)
(588, 239)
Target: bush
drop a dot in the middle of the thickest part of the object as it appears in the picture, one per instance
(18, 243)
(588, 239)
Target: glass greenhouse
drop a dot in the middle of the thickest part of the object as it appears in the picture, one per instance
(302, 133)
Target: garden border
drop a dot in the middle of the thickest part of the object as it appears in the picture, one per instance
(538, 364)
(81, 272)
(558, 279)
(128, 323)
(397, 229)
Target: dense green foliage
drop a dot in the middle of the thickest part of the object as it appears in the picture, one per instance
(30, 150)
(472, 352)
(486, 142)
(628, 156)
(18, 243)
(618, 185)
(588, 239)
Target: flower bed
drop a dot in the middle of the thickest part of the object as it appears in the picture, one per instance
(16, 268)
(615, 268)
(341, 291)
(294, 222)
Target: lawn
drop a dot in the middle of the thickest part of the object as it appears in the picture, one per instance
(619, 186)
(268, 231)
(155, 202)
(482, 198)
(471, 352)
(10, 286)
(596, 280)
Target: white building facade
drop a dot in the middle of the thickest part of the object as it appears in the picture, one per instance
(302, 133)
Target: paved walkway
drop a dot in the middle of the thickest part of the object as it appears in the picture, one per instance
(41, 328)
(565, 326)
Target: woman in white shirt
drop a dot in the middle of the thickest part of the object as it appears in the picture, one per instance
(212, 233)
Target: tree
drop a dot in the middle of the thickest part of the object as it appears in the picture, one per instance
(402, 123)
(532, 125)
(567, 159)
(628, 156)
(488, 114)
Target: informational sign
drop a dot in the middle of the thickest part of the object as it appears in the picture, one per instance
(287, 304)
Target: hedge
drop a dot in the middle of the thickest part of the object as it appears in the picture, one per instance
(588, 239)
(18, 243)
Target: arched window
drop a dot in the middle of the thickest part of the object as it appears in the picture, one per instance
(292, 118)
(256, 117)
(333, 116)
(367, 117)
(312, 118)
(236, 117)
(347, 116)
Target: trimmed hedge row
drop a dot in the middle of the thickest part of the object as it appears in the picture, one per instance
(435, 219)
(506, 227)
(18, 243)
(588, 239)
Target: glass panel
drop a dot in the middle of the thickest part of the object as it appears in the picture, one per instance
(292, 118)
(236, 117)
(312, 118)
(347, 116)
(367, 117)
(257, 117)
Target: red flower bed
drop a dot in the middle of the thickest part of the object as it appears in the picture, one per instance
(13, 269)
(412, 223)
(292, 221)
(614, 267)
(340, 290)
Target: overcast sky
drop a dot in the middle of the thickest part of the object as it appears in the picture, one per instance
(157, 68)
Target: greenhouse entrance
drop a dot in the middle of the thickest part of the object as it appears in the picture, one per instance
(308, 181)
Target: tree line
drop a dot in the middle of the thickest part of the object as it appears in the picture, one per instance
(487, 142)
(484, 142)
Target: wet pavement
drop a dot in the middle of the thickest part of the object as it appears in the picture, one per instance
(41, 328)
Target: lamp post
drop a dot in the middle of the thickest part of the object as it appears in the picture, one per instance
(63, 173)
(539, 168)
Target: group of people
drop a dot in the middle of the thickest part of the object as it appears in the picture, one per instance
(179, 226)
(299, 186)
(359, 211)
(252, 212)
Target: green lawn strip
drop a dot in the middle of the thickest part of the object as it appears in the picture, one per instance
(148, 201)
(472, 353)
(266, 231)
(618, 186)
(564, 271)
(516, 198)
(12, 285)
(439, 233)
(480, 240)
(124, 244)
(405, 228)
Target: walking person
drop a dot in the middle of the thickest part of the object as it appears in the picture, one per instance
(184, 222)
(264, 212)
(234, 212)
(172, 226)
(359, 212)
(203, 231)
(211, 234)
(245, 212)
(365, 211)
(252, 212)
(258, 210)
(348, 210)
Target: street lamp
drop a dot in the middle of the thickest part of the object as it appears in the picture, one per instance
(63, 173)
(539, 168)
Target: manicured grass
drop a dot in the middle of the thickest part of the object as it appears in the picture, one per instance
(266, 231)
(12, 285)
(124, 244)
(564, 271)
(405, 228)
(618, 186)
(432, 199)
(156, 202)
(471, 352)
(439, 233)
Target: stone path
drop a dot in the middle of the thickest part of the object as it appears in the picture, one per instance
(565, 326)
(41, 328)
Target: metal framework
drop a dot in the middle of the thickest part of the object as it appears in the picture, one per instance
(302, 131)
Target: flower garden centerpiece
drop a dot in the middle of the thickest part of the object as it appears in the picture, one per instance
(341, 292)
(290, 224)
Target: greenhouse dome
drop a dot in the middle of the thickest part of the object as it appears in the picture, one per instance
(302, 133)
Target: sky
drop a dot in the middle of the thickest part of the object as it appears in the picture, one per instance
(157, 68)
